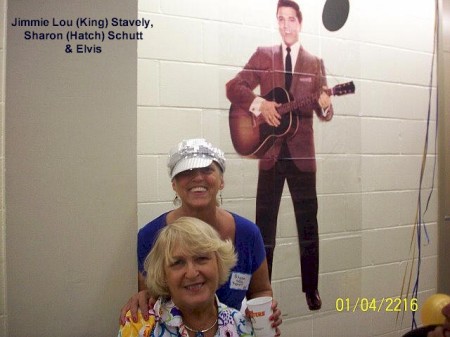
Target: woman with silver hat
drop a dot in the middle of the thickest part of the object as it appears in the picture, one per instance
(196, 170)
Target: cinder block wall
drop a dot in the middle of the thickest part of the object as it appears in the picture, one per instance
(369, 156)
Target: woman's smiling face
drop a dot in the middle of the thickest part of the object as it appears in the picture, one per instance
(198, 188)
(192, 278)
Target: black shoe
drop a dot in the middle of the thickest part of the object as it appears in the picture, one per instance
(313, 300)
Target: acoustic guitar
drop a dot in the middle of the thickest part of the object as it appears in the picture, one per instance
(252, 136)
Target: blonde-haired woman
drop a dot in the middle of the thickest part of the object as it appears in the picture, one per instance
(185, 267)
(196, 169)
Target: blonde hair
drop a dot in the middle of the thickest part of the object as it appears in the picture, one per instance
(194, 237)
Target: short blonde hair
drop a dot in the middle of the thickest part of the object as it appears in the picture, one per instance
(194, 237)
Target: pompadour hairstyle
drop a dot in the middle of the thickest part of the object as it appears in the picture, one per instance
(292, 4)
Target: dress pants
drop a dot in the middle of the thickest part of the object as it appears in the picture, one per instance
(302, 187)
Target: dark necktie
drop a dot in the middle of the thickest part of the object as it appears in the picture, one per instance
(288, 70)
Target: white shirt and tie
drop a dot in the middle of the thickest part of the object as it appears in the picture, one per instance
(294, 50)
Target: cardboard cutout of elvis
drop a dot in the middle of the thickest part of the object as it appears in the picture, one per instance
(277, 128)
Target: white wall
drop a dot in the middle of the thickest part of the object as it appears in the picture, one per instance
(369, 156)
(70, 176)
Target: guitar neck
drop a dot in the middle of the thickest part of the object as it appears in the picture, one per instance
(338, 90)
(298, 104)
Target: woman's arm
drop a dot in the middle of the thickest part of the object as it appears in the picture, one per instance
(142, 285)
(260, 286)
(260, 283)
(141, 301)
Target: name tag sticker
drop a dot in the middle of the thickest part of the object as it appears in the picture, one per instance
(240, 281)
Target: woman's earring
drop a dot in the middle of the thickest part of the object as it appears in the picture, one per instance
(220, 196)
(176, 201)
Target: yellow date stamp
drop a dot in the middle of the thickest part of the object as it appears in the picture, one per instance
(385, 304)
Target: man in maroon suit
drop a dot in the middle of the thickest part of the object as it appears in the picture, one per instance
(291, 158)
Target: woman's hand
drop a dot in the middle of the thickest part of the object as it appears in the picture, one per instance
(276, 317)
(142, 301)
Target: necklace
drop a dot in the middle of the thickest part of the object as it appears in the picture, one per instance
(201, 333)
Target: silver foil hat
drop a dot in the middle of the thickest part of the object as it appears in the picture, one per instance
(193, 153)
